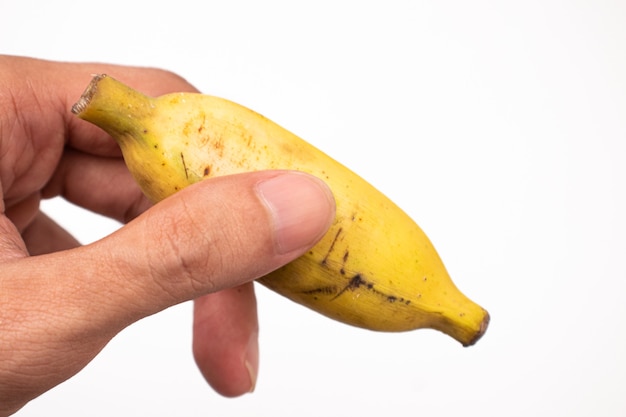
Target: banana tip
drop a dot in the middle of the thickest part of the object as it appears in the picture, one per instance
(481, 331)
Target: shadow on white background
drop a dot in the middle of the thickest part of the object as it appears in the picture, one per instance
(498, 127)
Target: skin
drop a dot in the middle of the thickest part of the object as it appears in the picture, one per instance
(62, 301)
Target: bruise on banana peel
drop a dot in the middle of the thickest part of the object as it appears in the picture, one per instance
(375, 268)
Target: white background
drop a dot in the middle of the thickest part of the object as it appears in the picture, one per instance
(499, 126)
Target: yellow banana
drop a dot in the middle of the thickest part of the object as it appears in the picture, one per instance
(375, 268)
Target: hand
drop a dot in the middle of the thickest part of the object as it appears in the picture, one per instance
(62, 302)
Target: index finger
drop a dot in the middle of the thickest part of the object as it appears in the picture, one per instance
(54, 86)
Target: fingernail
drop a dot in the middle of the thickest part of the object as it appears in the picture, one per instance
(251, 360)
(301, 206)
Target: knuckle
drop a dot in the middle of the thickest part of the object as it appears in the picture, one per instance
(187, 262)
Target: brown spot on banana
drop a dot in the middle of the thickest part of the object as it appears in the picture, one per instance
(357, 282)
(182, 158)
(329, 290)
(331, 247)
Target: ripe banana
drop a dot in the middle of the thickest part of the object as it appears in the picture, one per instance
(375, 268)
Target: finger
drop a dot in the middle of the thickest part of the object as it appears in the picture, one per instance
(51, 88)
(12, 246)
(44, 235)
(99, 184)
(22, 212)
(225, 339)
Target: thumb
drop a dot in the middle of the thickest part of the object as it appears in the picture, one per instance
(214, 235)
(60, 309)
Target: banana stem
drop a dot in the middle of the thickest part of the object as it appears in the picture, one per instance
(100, 104)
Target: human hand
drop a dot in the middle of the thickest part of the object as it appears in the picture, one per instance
(62, 302)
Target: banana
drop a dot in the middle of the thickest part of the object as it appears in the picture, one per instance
(375, 268)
